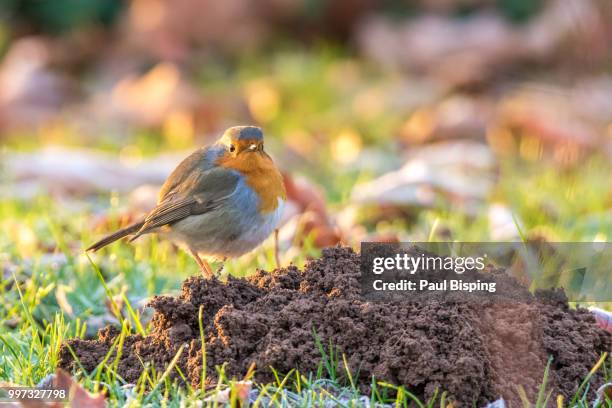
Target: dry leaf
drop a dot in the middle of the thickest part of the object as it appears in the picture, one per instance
(308, 216)
(553, 122)
(500, 403)
(30, 92)
(323, 232)
(79, 397)
(475, 48)
(305, 194)
(77, 172)
(603, 318)
(148, 99)
(241, 389)
(604, 394)
(458, 116)
(461, 172)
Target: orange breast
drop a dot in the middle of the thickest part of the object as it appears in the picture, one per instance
(261, 175)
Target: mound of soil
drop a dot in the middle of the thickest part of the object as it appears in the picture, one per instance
(477, 352)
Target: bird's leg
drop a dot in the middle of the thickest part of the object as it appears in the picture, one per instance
(276, 249)
(222, 265)
(204, 266)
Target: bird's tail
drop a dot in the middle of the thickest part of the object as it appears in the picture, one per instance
(130, 229)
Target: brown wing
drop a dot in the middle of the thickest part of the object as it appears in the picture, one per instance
(198, 193)
(185, 169)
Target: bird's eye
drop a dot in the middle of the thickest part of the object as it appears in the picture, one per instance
(232, 148)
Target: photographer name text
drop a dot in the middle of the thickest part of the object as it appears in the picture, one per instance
(452, 285)
(410, 265)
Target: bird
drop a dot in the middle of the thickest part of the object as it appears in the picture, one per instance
(220, 202)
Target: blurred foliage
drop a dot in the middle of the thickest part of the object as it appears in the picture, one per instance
(519, 10)
(59, 16)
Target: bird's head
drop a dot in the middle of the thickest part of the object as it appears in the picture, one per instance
(239, 140)
(242, 150)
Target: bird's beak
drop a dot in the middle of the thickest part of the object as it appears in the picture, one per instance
(253, 147)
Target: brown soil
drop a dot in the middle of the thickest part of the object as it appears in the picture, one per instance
(477, 352)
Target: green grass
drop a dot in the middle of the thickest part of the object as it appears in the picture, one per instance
(35, 320)
(51, 291)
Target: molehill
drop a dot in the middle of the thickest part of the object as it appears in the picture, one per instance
(475, 352)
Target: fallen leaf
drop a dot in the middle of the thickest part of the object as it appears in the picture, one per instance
(148, 99)
(561, 124)
(305, 194)
(323, 232)
(500, 403)
(604, 394)
(306, 216)
(78, 172)
(456, 117)
(473, 49)
(459, 172)
(79, 397)
(239, 389)
(31, 93)
(603, 318)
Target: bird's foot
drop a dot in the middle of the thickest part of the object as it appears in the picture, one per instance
(204, 266)
(206, 271)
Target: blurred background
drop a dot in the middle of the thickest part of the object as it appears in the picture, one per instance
(470, 120)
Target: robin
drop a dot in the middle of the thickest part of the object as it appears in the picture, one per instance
(221, 201)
